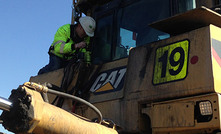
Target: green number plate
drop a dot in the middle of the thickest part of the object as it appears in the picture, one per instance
(171, 62)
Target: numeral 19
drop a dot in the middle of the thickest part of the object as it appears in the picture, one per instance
(178, 63)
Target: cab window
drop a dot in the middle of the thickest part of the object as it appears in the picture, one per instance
(125, 25)
(103, 40)
(134, 20)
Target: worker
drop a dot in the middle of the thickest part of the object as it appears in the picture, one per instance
(69, 40)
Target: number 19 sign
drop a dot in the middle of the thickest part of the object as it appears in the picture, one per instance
(171, 62)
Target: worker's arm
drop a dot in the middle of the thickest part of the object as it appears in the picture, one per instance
(63, 44)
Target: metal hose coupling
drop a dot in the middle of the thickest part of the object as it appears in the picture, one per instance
(37, 87)
(5, 104)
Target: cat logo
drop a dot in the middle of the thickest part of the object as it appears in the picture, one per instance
(109, 81)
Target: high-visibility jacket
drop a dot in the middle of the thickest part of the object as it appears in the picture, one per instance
(62, 43)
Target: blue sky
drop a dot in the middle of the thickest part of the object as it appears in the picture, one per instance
(27, 28)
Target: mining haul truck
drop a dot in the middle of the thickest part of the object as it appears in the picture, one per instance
(155, 69)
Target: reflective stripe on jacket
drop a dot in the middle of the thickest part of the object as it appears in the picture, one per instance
(62, 43)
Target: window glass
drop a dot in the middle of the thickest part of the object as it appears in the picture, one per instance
(185, 5)
(127, 26)
(103, 40)
(133, 20)
(127, 40)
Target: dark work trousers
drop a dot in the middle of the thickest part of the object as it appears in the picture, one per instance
(55, 63)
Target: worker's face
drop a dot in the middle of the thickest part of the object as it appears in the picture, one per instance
(81, 32)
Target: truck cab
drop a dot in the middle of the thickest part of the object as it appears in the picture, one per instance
(155, 65)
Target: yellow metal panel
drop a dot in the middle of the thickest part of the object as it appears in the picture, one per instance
(109, 109)
(177, 116)
(53, 77)
(173, 115)
(197, 75)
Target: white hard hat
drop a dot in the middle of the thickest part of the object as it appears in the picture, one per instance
(88, 24)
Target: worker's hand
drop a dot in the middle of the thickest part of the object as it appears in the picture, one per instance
(80, 45)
